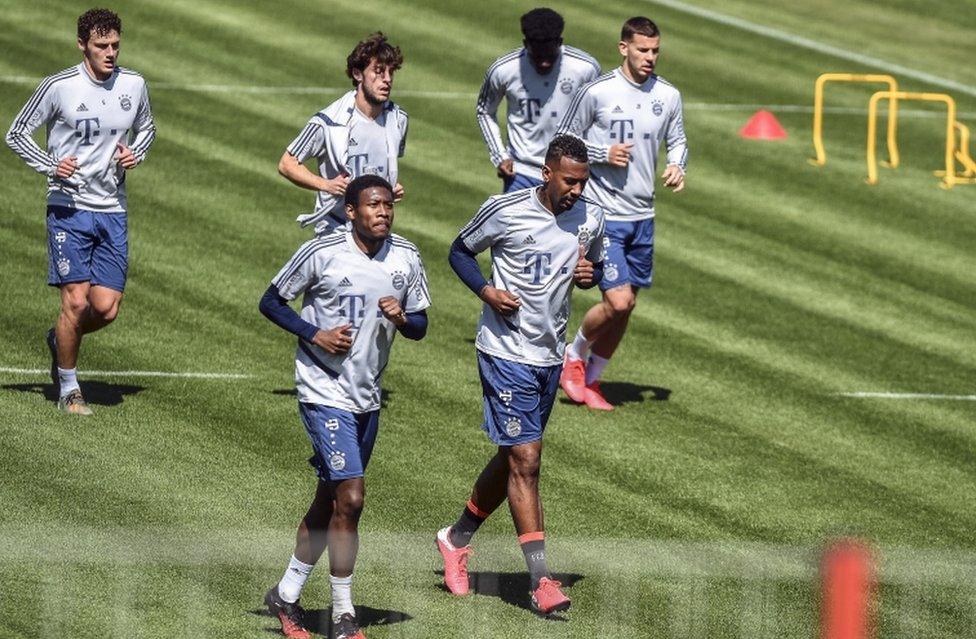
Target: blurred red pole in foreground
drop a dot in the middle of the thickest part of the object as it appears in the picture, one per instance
(847, 591)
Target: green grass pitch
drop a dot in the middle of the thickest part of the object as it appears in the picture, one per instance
(695, 510)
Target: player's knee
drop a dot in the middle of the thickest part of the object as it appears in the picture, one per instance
(106, 312)
(349, 504)
(621, 305)
(525, 462)
(74, 306)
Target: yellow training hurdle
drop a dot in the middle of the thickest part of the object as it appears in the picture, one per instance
(952, 152)
(818, 100)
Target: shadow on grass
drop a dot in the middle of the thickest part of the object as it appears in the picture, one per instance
(619, 393)
(319, 620)
(96, 393)
(511, 587)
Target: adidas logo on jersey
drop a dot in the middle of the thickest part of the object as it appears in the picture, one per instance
(345, 282)
(352, 142)
(81, 108)
(617, 109)
(528, 240)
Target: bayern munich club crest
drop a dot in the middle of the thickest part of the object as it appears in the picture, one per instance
(610, 271)
(566, 86)
(125, 102)
(399, 280)
(64, 267)
(657, 107)
(513, 427)
(337, 461)
(584, 236)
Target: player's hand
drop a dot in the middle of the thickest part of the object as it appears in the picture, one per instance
(67, 167)
(502, 302)
(337, 185)
(125, 157)
(336, 341)
(583, 273)
(392, 311)
(506, 169)
(397, 192)
(674, 177)
(619, 154)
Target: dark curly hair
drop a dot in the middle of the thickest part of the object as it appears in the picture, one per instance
(542, 25)
(569, 146)
(101, 22)
(360, 184)
(375, 47)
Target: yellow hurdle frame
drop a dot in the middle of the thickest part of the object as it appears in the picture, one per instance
(952, 152)
(818, 100)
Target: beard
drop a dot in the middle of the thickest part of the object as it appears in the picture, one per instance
(371, 97)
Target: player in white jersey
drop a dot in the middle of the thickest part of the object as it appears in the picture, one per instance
(543, 241)
(99, 125)
(624, 116)
(361, 133)
(359, 286)
(538, 82)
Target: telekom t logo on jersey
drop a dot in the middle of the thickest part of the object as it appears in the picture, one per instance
(353, 309)
(622, 130)
(531, 107)
(537, 265)
(85, 130)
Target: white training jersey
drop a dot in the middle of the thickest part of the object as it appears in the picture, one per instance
(341, 284)
(613, 110)
(85, 118)
(536, 104)
(533, 255)
(343, 140)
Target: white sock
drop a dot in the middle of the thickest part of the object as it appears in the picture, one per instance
(594, 368)
(291, 584)
(579, 346)
(341, 596)
(68, 380)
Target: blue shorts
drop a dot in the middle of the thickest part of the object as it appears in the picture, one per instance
(342, 442)
(87, 246)
(518, 399)
(519, 182)
(630, 254)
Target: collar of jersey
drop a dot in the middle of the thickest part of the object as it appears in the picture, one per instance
(351, 243)
(648, 83)
(97, 83)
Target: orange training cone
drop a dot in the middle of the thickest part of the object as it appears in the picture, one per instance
(847, 591)
(763, 125)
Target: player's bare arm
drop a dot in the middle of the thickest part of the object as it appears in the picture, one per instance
(298, 174)
(335, 341)
(674, 178)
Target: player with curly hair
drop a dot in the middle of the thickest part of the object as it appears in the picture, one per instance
(361, 133)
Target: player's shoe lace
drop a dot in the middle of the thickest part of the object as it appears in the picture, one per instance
(346, 627)
(74, 403)
(548, 598)
(291, 615)
(455, 562)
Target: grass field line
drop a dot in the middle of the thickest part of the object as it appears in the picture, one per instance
(409, 552)
(878, 395)
(44, 371)
(813, 45)
(455, 95)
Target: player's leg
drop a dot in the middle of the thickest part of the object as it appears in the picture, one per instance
(638, 269)
(525, 503)
(601, 317)
(109, 270)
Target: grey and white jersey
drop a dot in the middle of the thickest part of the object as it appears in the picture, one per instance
(343, 140)
(536, 104)
(533, 255)
(613, 110)
(340, 284)
(85, 118)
